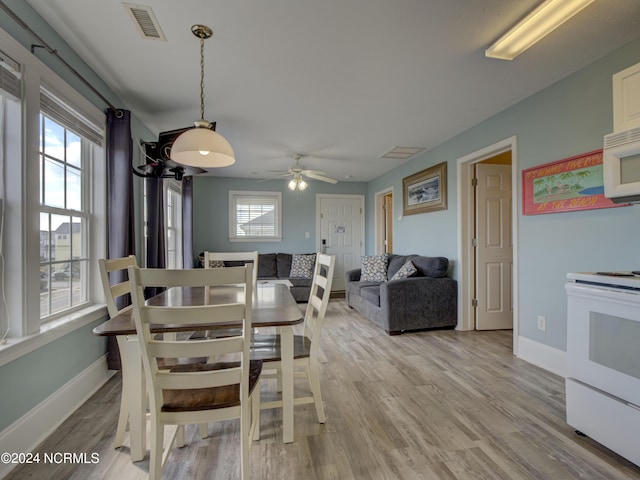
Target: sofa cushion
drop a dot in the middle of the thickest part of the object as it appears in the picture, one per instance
(374, 268)
(395, 263)
(371, 294)
(302, 266)
(267, 266)
(406, 271)
(435, 267)
(283, 264)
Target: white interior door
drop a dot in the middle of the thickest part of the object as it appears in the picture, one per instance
(494, 252)
(341, 232)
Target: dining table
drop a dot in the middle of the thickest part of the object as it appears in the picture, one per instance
(272, 306)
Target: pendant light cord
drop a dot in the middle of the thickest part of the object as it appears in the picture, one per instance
(201, 75)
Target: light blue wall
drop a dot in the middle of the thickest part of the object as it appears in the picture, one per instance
(566, 119)
(211, 219)
(32, 378)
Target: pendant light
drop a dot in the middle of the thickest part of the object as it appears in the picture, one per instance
(201, 146)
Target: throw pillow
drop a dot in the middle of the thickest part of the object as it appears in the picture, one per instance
(374, 268)
(406, 271)
(302, 266)
(216, 264)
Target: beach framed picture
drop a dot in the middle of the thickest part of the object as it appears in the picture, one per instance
(574, 183)
(425, 191)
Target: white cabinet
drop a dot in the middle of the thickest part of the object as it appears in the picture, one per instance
(626, 99)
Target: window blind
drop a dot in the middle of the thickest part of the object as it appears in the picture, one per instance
(10, 76)
(71, 120)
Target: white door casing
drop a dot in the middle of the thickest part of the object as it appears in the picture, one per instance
(494, 254)
(340, 223)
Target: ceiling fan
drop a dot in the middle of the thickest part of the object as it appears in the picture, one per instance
(298, 171)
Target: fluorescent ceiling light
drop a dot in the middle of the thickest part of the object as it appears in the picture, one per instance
(535, 26)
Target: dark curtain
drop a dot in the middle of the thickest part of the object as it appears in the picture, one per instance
(187, 222)
(120, 212)
(155, 228)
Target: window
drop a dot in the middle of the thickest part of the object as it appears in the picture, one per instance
(255, 216)
(173, 223)
(53, 197)
(64, 214)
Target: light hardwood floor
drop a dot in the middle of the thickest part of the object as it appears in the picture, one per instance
(429, 405)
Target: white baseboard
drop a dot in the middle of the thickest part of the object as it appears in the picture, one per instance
(543, 356)
(33, 427)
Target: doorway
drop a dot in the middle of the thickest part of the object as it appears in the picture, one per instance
(467, 223)
(384, 222)
(340, 227)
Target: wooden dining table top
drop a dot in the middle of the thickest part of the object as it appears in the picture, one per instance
(273, 306)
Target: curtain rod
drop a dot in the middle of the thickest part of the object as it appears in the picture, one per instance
(55, 53)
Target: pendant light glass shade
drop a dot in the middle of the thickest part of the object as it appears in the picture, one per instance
(201, 146)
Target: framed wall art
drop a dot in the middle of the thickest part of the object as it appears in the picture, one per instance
(425, 191)
(574, 183)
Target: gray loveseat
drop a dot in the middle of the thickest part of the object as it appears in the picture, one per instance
(426, 300)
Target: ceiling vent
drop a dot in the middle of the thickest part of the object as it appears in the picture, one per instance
(403, 153)
(145, 21)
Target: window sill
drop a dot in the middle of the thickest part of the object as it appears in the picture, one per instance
(255, 239)
(19, 346)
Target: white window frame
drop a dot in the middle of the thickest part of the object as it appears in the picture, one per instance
(173, 187)
(235, 195)
(21, 246)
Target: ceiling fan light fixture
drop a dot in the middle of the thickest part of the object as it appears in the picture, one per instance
(201, 146)
(535, 26)
(302, 185)
(293, 184)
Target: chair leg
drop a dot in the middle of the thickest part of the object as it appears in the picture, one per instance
(204, 430)
(180, 436)
(245, 441)
(314, 383)
(157, 439)
(255, 412)
(123, 416)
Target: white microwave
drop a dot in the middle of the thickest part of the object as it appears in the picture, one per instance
(621, 166)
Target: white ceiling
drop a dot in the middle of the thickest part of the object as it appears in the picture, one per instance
(340, 81)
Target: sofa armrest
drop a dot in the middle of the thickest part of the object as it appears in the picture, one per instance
(353, 275)
(409, 301)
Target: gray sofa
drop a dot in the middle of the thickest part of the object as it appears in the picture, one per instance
(426, 300)
(276, 266)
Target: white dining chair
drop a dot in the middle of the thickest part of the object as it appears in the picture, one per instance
(218, 258)
(111, 294)
(197, 393)
(305, 346)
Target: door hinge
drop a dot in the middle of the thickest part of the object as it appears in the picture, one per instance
(474, 302)
(474, 182)
(474, 242)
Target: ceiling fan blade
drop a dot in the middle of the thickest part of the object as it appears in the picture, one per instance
(274, 177)
(320, 177)
(313, 172)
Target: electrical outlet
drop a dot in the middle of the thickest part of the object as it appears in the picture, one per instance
(542, 323)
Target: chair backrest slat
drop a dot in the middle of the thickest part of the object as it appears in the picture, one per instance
(193, 315)
(119, 289)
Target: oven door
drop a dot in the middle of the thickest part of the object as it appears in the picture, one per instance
(603, 339)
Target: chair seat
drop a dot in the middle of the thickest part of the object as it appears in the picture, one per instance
(267, 347)
(208, 398)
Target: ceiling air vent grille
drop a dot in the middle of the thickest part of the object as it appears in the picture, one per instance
(403, 153)
(145, 21)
